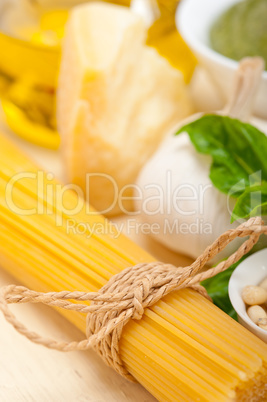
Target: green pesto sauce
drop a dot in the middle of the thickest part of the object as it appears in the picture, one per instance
(242, 30)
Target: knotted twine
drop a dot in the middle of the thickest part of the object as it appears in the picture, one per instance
(126, 295)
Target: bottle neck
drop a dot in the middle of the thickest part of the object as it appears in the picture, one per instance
(167, 6)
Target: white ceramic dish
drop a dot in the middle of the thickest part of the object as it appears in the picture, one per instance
(249, 272)
(194, 19)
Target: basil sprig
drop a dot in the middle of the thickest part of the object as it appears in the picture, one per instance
(217, 288)
(239, 160)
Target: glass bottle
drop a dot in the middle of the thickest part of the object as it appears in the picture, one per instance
(30, 39)
(163, 35)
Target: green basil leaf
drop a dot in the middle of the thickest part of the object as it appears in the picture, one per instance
(239, 160)
(253, 202)
(217, 288)
(239, 168)
(238, 151)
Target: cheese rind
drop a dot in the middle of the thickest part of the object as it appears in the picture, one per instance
(117, 98)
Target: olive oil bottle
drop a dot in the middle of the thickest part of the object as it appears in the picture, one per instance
(30, 40)
(163, 35)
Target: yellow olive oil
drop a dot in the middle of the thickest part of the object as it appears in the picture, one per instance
(30, 42)
(163, 35)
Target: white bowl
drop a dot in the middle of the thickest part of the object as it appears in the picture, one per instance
(194, 19)
(251, 271)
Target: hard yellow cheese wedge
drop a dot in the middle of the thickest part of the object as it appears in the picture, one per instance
(117, 98)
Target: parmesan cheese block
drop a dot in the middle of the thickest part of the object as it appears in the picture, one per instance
(117, 98)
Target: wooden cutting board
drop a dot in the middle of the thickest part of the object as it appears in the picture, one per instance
(31, 373)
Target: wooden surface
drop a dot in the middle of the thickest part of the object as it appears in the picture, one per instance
(30, 372)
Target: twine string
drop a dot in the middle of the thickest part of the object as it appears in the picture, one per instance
(126, 296)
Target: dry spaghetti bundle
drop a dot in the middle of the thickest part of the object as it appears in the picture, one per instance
(183, 349)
